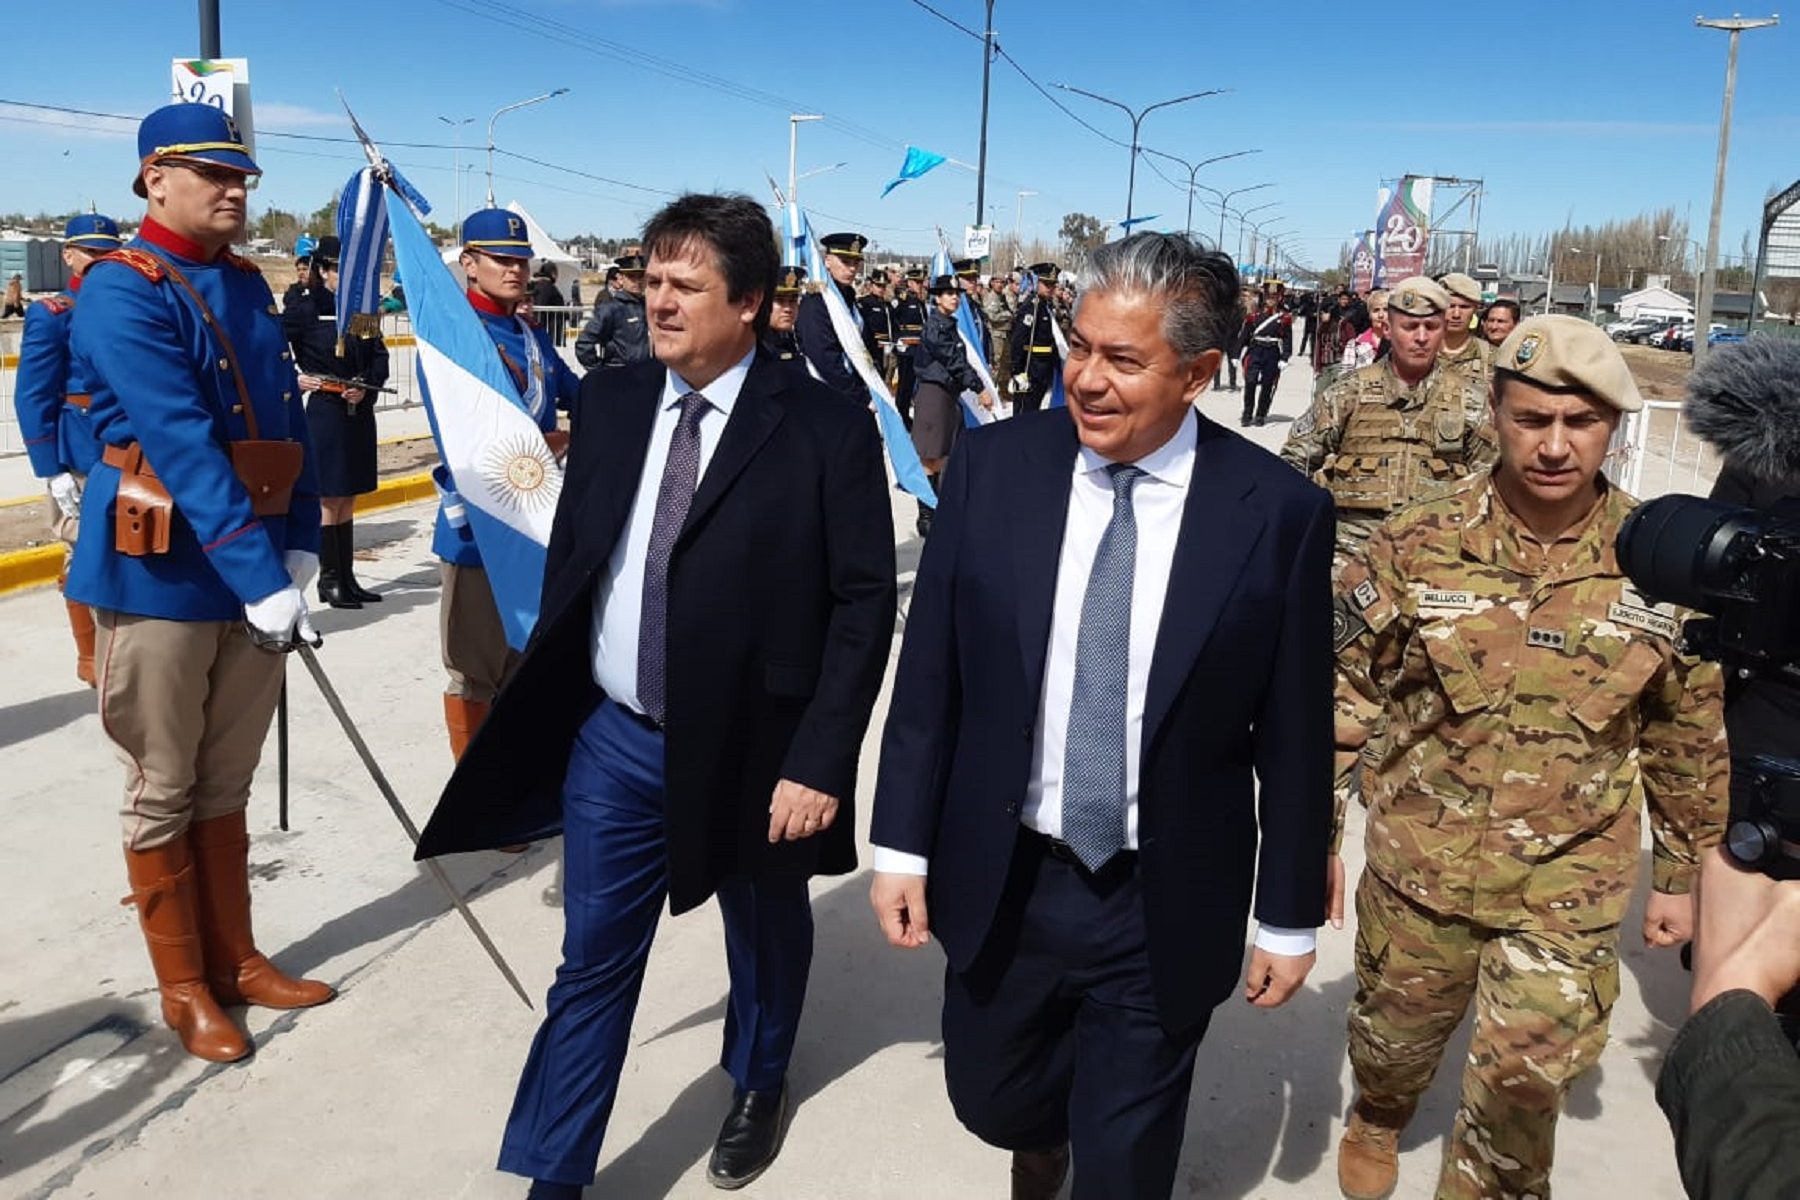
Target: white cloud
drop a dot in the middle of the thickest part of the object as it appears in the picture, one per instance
(274, 114)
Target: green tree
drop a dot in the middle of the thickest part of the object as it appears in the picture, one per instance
(1082, 233)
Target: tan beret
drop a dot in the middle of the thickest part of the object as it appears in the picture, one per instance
(1458, 284)
(1418, 297)
(1567, 354)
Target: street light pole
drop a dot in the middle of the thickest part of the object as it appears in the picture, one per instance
(1224, 199)
(1018, 212)
(987, 69)
(794, 120)
(1137, 121)
(209, 29)
(1734, 25)
(551, 95)
(456, 161)
(1193, 169)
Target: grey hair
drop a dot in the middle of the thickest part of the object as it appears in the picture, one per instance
(1197, 286)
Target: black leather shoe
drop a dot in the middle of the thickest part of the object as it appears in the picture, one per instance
(749, 1140)
(1244, 421)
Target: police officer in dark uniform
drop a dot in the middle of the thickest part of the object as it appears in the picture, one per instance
(1034, 349)
(968, 277)
(784, 307)
(52, 399)
(200, 530)
(1268, 344)
(340, 414)
(617, 335)
(909, 327)
(818, 339)
(878, 324)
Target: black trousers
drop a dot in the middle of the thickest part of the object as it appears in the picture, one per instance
(1219, 375)
(1262, 370)
(1053, 1037)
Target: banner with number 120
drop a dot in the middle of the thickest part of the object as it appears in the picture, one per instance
(223, 83)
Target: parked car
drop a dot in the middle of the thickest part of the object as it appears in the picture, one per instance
(1621, 331)
(1686, 341)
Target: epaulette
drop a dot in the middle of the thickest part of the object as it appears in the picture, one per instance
(241, 263)
(57, 304)
(141, 261)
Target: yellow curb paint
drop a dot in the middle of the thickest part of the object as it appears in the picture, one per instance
(40, 565)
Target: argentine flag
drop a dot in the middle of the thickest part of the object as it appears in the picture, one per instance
(507, 480)
(362, 236)
(970, 329)
(803, 250)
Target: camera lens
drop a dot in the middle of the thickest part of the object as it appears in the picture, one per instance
(1678, 548)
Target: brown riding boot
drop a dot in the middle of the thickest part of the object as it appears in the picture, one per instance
(235, 970)
(1369, 1154)
(81, 623)
(162, 887)
(1039, 1174)
(463, 717)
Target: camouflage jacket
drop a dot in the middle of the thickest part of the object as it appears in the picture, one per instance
(1476, 358)
(1519, 706)
(1378, 445)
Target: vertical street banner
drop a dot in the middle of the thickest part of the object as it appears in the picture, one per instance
(1403, 231)
(1362, 264)
(223, 83)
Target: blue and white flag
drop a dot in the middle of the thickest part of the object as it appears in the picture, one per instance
(917, 163)
(970, 329)
(1126, 225)
(803, 250)
(362, 225)
(505, 476)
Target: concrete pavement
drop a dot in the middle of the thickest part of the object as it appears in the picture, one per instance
(400, 1087)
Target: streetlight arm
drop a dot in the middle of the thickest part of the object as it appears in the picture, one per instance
(1125, 108)
(1182, 100)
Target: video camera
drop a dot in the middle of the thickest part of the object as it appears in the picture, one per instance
(1742, 567)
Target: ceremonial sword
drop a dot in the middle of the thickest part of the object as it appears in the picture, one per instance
(387, 793)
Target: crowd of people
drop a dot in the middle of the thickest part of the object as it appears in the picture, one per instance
(1147, 667)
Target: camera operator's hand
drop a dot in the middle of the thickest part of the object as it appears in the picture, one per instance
(1668, 919)
(1749, 932)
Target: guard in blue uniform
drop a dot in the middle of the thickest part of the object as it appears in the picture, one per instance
(496, 258)
(1034, 351)
(52, 403)
(784, 310)
(1268, 344)
(909, 327)
(818, 339)
(337, 373)
(199, 528)
(968, 277)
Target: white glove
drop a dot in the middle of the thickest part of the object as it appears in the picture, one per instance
(65, 489)
(280, 618)
(302, 567)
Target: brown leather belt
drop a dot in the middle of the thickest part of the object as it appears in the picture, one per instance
(127, 458)
(79, 399)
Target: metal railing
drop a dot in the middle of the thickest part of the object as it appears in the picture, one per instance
(1656, 452)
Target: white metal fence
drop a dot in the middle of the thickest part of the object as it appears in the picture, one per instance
(1656, 452)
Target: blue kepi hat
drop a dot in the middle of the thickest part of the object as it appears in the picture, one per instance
(498, 232)
(191, 133)
(91, 231)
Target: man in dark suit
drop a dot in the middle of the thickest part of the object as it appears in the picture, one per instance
(717, 610)
(1108, 720)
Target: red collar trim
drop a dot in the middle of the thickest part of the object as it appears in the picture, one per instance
(174, 243)
(75, 283)
(481, 302)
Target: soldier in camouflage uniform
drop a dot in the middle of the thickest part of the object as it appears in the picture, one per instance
(1527, 690)
(1397, 430)
(1463, 349)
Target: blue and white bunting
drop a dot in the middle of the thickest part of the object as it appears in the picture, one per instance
(917, 163)
(362, 225)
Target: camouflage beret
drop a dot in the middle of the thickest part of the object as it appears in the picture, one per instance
(1418, 297)
(1458, 284)
(1566, 354)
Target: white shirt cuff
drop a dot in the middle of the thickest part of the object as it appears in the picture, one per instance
(1289, 943)
(898, 862)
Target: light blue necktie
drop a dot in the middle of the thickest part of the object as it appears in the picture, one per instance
(1093, 790)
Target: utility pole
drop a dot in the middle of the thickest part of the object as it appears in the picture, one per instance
(987, 70)
(794, 120)
(1733, 25)
(209, 29)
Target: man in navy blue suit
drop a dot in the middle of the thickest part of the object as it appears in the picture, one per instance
(1110, 720)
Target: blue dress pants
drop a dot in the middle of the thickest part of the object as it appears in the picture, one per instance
(615, 881)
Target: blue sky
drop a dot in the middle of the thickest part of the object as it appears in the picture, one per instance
(1575, 110)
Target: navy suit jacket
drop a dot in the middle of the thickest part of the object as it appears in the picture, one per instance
(1239, 695)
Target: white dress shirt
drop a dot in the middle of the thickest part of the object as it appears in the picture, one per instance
(619, 600)
(1157, 502)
